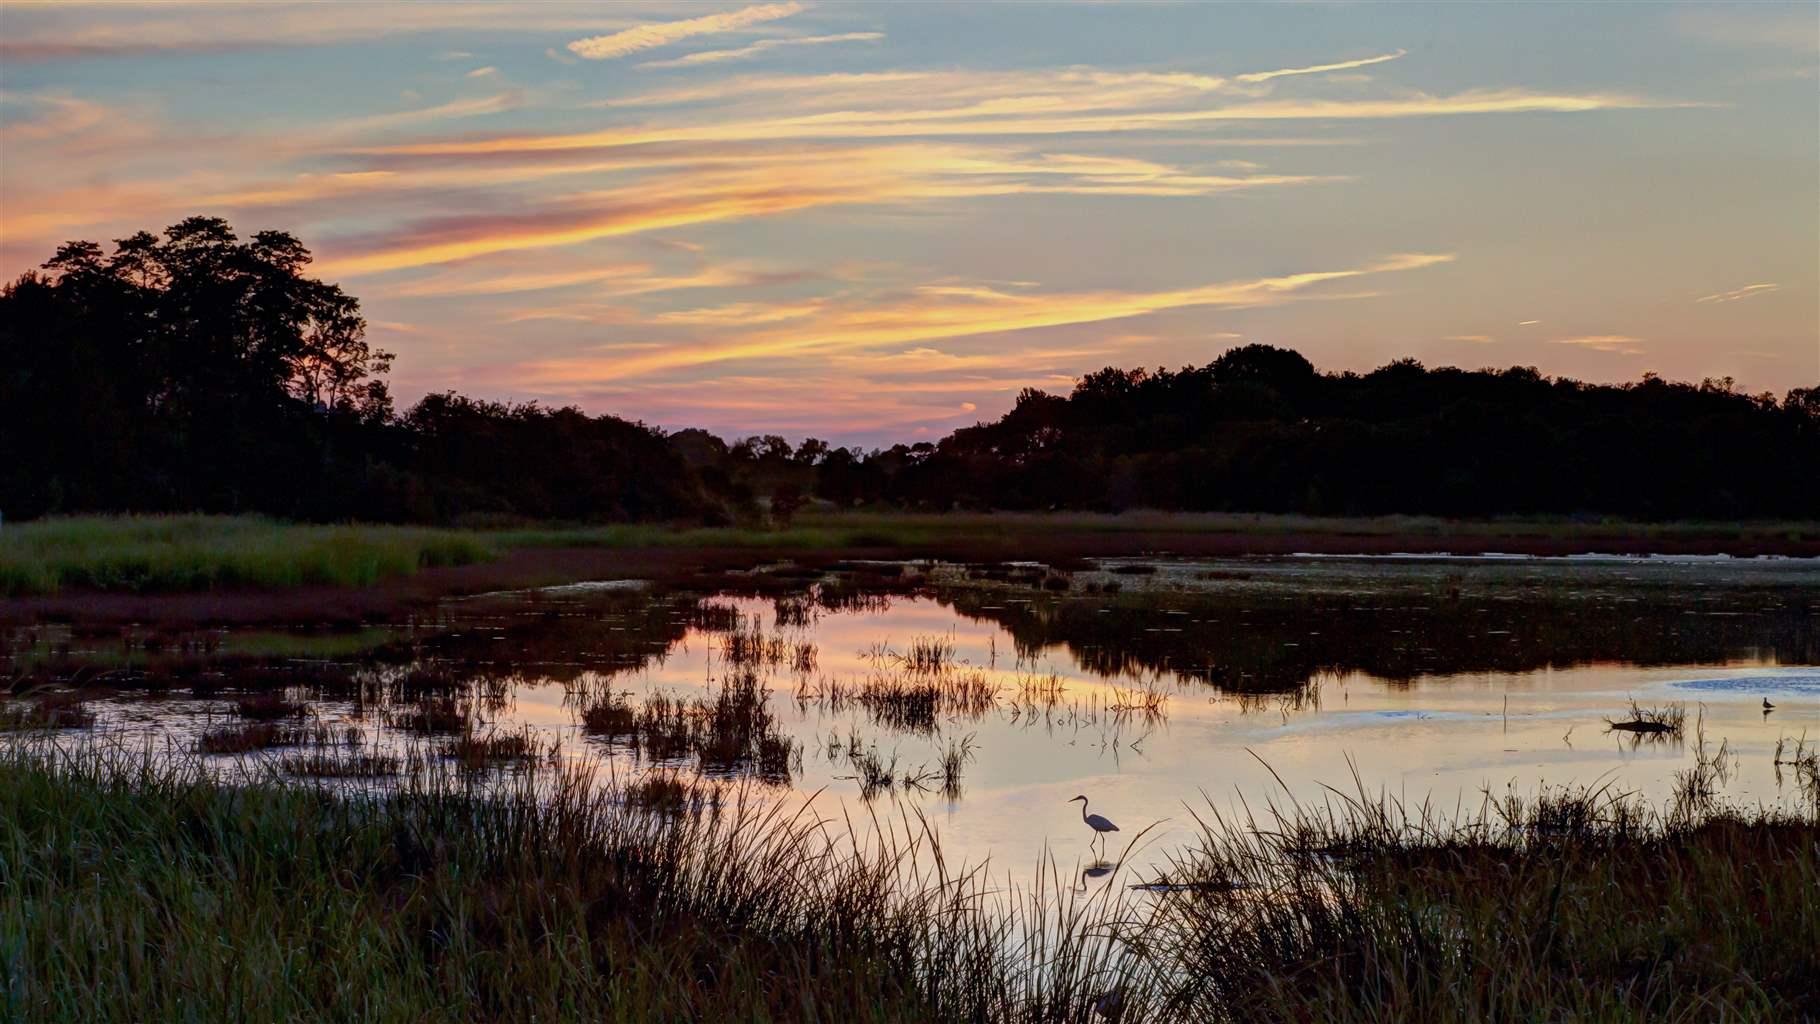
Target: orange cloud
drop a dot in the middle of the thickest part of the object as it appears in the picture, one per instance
(505, 284)
(66, 29)
(1746, 292)
(1620, 344)
(856, 325)
(737, 186)
(1032, 115)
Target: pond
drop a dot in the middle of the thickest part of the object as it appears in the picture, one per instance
(982, 698)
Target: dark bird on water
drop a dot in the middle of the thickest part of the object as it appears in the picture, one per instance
(1099, 824)
(1767, 706)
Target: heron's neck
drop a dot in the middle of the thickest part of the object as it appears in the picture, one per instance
(1083, 810)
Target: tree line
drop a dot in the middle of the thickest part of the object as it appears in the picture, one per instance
(194, 370)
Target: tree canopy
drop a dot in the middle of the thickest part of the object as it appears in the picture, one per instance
(199, 371)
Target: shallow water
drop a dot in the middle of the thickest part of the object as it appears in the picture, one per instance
(1233, 684)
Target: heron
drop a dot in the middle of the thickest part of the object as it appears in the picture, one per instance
(1098, 823)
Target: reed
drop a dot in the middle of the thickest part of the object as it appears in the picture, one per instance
(1585, 904)
(54, 709)
(144, 888)
(547, 895)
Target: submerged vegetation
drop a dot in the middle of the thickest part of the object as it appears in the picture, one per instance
(52, 710)
(557, 895)
(1669, 720)
(733, 732)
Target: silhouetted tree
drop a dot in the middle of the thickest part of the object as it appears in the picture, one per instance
(1259, 429)
(197, 371)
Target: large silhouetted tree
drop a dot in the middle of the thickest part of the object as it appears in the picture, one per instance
(196, 370)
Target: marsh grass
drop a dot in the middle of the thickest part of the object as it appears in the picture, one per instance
(251, 736)
(433, 715)
(134, 887)
(1585, 904)
(476, 752)
(548, 895)
(954, 764)
(269, 707)
(56, 709)
(1147, 700)
(904, 699)
(1668, 720)
(609, 714)
(673, 793)
(734, 732)
(197, 552)
(827, 531)
(325, 763)
(1803, 761)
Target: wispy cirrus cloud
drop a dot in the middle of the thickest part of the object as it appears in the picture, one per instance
(650, 36)
(1620, 344)
(506, 284)
(1471, 339)
(475, 106)
(51, 116)
(1792, 27)
(862, 323)
(1746, 292)
(1316, 69)
(76, 30)
(722, 187)
(762, 46)
(1036, 115)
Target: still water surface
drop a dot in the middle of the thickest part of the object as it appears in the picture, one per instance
(1155, 688)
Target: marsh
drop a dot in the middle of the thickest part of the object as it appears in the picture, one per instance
(983, 696)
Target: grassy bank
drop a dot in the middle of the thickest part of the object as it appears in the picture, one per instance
(197, 553)
(187, 553)
(839, 530)
(131, 890)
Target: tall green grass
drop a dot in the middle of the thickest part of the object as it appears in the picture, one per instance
(196, 552)
(135, 887)
(1585, 905)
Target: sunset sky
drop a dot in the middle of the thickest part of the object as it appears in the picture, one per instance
(877, 222)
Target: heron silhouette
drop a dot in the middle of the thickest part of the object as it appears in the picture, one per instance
(1098, 823)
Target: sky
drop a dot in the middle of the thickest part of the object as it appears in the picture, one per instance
(878, 222)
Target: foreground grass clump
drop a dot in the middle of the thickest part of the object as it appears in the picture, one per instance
(1584, 905)
(139, 890)
(196, 552)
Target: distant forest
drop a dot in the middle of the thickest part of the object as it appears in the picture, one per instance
(198, 371)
